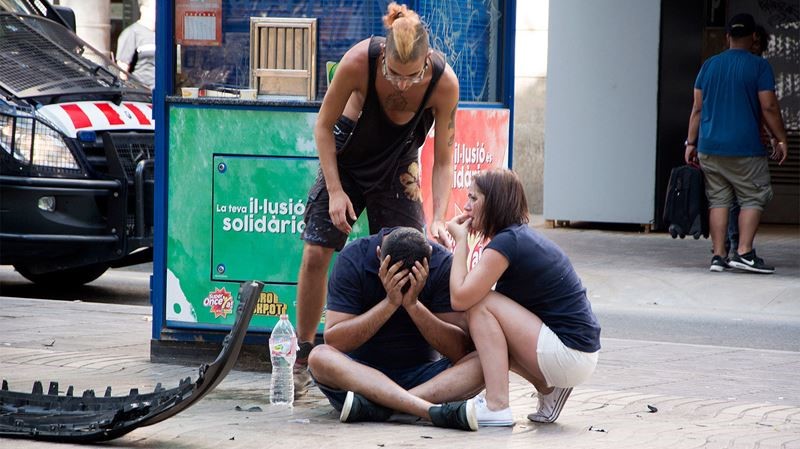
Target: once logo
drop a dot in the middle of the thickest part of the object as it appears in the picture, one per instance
(219, 302)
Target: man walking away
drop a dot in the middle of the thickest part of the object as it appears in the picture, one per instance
(733, 90)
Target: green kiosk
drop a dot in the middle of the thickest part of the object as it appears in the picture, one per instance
(238, 88)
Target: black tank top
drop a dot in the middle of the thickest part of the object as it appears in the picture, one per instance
(378, 146)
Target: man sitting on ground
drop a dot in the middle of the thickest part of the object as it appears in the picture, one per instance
(390, 339)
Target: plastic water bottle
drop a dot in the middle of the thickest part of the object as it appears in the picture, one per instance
(283, 351)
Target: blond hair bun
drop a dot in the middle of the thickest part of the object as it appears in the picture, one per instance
(394, 12)
(406, 37)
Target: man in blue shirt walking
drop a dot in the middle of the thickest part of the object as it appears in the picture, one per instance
(733, 90)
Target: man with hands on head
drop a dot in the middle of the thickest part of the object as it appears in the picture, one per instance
(392, 341)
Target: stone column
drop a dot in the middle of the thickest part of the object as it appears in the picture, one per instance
(529, 98)
(93, 22)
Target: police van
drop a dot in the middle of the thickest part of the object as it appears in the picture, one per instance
(76, 152)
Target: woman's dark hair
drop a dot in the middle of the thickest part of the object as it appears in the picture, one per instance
(504, 201)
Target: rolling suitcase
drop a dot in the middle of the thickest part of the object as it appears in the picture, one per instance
(686, 207)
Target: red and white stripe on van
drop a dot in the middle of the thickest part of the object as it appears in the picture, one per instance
(99, 116)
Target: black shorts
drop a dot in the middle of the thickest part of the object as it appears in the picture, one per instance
(399, 203)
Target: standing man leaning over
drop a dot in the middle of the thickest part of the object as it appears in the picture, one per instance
(734, 89)
(373, 120)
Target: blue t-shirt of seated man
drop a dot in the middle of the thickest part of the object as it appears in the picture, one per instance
(730, 120)
(541, 278)
(354, 287)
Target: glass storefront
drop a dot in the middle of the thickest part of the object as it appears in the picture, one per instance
(467, 32)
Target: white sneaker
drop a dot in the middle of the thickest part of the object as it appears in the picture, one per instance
(491, 418)
(550, 405)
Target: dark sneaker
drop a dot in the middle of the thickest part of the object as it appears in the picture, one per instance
(455, 415)
(550, 405)
(357, 408)
(750, 262)
(302, 377)
(718, 264)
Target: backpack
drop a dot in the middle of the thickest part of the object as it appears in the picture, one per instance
(686, 207)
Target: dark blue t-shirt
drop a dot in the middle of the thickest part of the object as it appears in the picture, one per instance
(354, 287)
(540, 277)
(731, 117)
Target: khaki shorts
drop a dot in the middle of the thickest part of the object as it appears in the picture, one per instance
(745, 179)
(562, 366)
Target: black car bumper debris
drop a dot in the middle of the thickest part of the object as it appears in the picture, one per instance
(89, 418)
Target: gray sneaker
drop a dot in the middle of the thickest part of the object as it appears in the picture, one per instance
(302, 377)
(550, 405)
(302, 380)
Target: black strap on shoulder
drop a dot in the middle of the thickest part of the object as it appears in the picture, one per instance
(438, 61)
(375, 47)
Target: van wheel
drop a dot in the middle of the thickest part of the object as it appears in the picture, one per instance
(71, 277)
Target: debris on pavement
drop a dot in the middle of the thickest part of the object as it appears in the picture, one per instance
(89, 418)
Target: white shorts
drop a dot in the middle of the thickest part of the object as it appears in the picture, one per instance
(562, 366)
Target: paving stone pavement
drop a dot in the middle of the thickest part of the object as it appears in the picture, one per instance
(705, 396)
